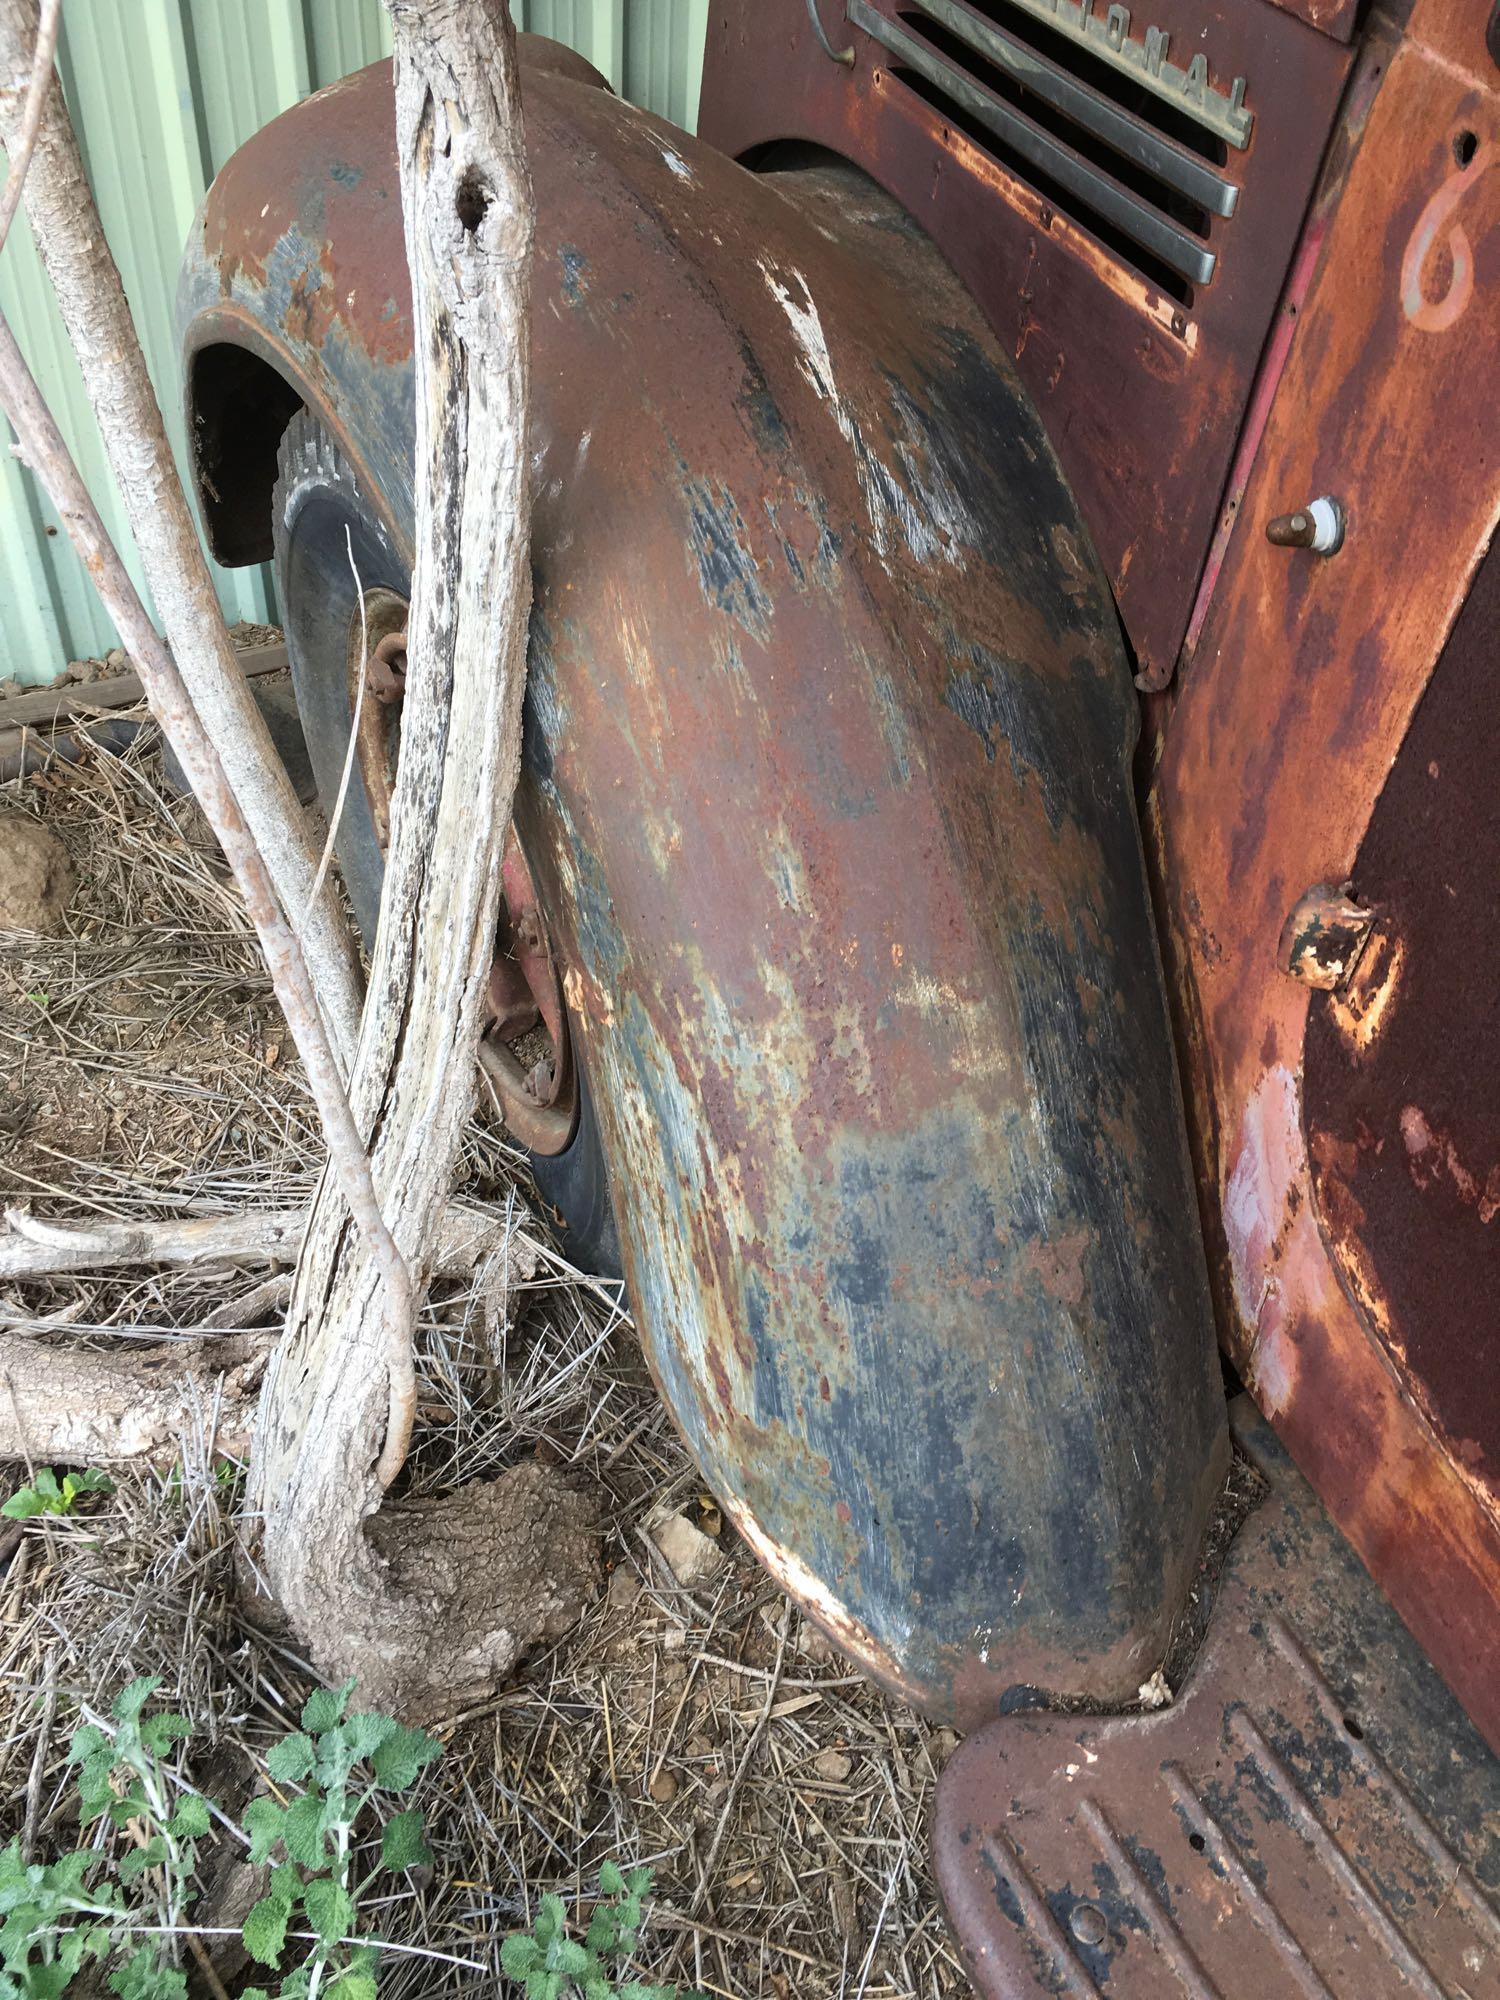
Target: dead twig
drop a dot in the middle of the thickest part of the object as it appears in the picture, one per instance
(44, 1246)
(39, 1756)
(23, 145)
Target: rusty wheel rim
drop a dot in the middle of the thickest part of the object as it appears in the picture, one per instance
(376, 682)
(526, 1052)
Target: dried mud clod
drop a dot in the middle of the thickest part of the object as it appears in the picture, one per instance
(36, 876)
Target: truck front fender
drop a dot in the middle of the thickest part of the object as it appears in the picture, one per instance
(828, 792)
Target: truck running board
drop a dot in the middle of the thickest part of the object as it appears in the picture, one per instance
(1314, 1816)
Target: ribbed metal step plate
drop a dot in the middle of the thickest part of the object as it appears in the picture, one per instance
(1313, 1816)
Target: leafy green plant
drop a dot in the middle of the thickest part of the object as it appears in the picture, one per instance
(132, 1911)
(56, 1918)
(550, 1965)
(342, 1763)
(52, 1923)
(48, 1496)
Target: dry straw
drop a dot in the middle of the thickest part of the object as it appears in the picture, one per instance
(781, 1800)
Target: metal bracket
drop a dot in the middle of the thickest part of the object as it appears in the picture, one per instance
(836, 55)
(1323, 937)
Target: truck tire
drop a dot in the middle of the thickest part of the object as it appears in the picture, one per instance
(324, 529)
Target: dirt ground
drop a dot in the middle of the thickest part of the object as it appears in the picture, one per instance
(709, 1732)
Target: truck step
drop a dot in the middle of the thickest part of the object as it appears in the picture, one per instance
(1313, 1816)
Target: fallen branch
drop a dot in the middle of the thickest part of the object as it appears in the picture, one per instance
(37, 1246)
(44, 708)
(60, 724)
(71, 1405)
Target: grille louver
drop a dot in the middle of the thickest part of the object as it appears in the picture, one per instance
(1108, 131)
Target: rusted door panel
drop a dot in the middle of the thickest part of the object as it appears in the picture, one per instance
(1141, 391)
(1403, 1064)
(828, 743)
(1290, 718)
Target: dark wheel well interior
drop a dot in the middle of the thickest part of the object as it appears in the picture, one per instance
(789, 156)
(238, 406)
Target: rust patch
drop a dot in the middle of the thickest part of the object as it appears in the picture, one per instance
(1354, 1317)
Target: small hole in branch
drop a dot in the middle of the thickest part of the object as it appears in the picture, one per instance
(471, 201)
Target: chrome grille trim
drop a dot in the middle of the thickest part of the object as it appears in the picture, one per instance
(1107, 35)
(1176, 248)
(1128, 135)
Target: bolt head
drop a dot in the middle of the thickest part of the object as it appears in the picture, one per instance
(1087, 1924)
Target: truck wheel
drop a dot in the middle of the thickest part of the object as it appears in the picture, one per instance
(325, 529)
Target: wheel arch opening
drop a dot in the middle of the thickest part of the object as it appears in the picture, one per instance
(238, 407)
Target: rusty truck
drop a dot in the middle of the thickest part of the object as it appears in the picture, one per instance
(999, 944)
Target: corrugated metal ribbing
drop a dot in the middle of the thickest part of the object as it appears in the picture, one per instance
(664, 57)
(162, 92)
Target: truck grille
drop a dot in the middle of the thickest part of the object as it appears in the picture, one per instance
(1106, 130)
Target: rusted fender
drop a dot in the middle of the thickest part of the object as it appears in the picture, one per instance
(828, 795)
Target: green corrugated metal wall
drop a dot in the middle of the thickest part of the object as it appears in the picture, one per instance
(162, 92)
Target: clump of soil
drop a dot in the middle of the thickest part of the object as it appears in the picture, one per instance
(36, 876)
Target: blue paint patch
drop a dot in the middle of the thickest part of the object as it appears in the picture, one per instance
(727, 571)
(541, 716)
(760, 408)
(767, 1384)
(999, 699)
(575, 278)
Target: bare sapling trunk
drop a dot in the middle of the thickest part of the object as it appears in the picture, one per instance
(97, 316)
(430, 1604)
(511, 1561)
(21, 138)
(41, 446)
